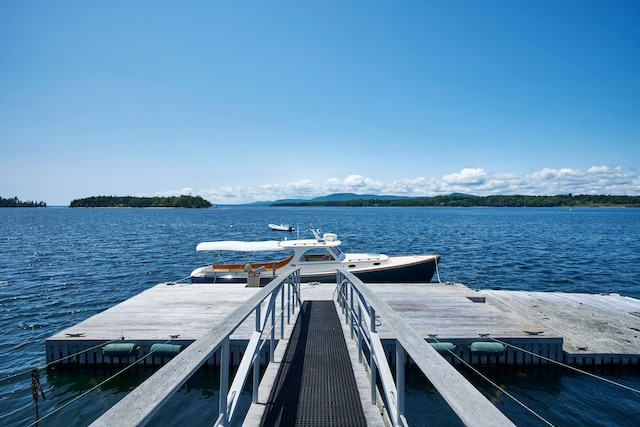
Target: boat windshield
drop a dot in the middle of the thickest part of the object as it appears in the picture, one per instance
(318, 254)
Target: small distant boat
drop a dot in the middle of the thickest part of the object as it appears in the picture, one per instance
(281, 227)
(318, 259)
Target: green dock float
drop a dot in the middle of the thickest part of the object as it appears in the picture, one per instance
(165, 350)
(121, 349)
(442, 347)
(483, 348)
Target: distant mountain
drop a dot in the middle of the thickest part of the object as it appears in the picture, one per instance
(341, 197)
(459, 200)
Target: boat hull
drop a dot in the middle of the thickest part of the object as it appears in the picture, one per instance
(421, 271)
(281, 227)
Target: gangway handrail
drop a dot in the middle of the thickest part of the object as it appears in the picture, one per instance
(465, 400)
(137, 407)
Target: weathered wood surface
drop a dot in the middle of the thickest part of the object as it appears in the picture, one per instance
(449, 311)
(187, 310)
(588, 324)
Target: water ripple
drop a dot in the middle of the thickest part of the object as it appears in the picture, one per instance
(60, 266)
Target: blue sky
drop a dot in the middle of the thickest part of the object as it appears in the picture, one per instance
(254, 100)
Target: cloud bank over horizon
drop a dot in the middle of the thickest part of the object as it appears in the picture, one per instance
(475, 181)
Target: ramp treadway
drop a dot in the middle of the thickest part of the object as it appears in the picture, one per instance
(315, 385)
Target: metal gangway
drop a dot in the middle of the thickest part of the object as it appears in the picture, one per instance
(315, 384)
(279, 299)
(361, 308)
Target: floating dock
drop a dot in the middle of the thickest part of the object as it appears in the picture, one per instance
(573, 328)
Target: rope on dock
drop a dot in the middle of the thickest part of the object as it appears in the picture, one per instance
(71, 356)
(173, 282)
(497, 386)
(81, 395)
(46, 365)
(564, 365)
(35, 388)
(35, 377)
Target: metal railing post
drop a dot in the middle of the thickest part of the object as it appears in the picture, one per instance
(374, 378)
(340, 297)
(374, 367)
(372, 319)
(360, 339)
(344, 289)
(256, 360)
(351, 309)
(282, 312)
(224, 380)
(289, 306)
(272, 340)
(400, 361)
(256, 375)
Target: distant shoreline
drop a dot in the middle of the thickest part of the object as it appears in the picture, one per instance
(351, 200)
(568, 201)
(17, 203)
(196, 202)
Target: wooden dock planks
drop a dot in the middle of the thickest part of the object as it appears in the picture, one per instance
(165, 310)
(592, 325)
(589, 328)
(448, 311)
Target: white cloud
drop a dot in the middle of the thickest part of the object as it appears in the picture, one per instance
(603, 169)
(467, 176)
(476, 181)
(353, 184)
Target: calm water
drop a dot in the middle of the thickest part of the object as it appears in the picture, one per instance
(59, 266)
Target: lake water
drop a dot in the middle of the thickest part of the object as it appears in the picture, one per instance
(59, 266)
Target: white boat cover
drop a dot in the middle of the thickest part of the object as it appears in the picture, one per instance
(289, 244)
(234, 245)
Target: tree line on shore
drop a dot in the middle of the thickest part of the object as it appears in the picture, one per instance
(453, 200)
(569, 200)
(141, 202)
(17, 203)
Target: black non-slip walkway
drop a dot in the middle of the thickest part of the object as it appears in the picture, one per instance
(315, 385)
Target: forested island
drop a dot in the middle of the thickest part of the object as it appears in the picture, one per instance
(141, 202)
(463, 200)
(17, 203)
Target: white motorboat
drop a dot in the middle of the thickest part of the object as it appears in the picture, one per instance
(318, 259)
(281, 227)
